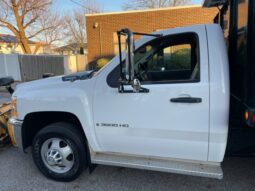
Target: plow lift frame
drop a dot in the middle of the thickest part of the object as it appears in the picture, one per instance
(5, 112)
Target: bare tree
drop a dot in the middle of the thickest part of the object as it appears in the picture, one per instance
(53, 34)
(75, 25)
(24, 19)
(145, 4)
(89, 6)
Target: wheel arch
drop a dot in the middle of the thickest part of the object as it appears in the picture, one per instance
(34, 122)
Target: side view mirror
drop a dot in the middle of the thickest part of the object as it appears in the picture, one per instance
(127, 72)
(129, 55)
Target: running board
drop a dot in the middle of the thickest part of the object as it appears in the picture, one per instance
(173, 166)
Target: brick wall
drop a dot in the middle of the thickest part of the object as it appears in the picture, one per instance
(102, 26)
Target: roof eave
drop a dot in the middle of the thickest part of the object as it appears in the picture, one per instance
(145, 10)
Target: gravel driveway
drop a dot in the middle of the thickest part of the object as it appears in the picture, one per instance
(18, 173)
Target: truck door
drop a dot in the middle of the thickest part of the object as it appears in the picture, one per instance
(172, 119)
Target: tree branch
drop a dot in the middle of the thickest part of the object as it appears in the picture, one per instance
(9, 26)
(31, 21)
(19, 3)
(38, 32)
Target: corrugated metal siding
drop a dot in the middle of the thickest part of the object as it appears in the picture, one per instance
(33, 67)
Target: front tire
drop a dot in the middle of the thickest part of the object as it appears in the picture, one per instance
(59, 152)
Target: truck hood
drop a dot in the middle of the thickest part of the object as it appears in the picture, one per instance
(39, 84)
(52, 82)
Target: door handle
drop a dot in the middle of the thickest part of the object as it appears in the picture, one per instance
(186, 100)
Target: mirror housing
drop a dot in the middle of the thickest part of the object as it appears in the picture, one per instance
(129, 55)
(127, 71)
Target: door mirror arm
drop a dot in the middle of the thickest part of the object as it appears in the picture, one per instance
(136, 85)
(127, 73)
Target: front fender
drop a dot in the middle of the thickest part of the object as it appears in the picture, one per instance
(72, 97)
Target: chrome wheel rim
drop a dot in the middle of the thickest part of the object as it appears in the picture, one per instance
(57, 155)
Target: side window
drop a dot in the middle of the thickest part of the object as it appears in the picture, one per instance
(168, 59)
(177, 57)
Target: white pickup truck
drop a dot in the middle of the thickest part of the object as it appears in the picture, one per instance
(169, 112)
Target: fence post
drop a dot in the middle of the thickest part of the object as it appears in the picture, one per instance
(5, 66)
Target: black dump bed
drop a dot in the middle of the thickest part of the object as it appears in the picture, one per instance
(237, 18)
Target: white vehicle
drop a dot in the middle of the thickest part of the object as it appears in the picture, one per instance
(169, 112)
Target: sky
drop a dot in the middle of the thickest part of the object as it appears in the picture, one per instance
(108, 5)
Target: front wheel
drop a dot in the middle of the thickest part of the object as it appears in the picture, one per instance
(59, 152)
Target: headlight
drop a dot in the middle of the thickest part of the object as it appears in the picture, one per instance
(14, 112)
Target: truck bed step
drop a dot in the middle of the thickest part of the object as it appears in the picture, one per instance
(210, 170)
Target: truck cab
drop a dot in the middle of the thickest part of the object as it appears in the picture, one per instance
(173, 117)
